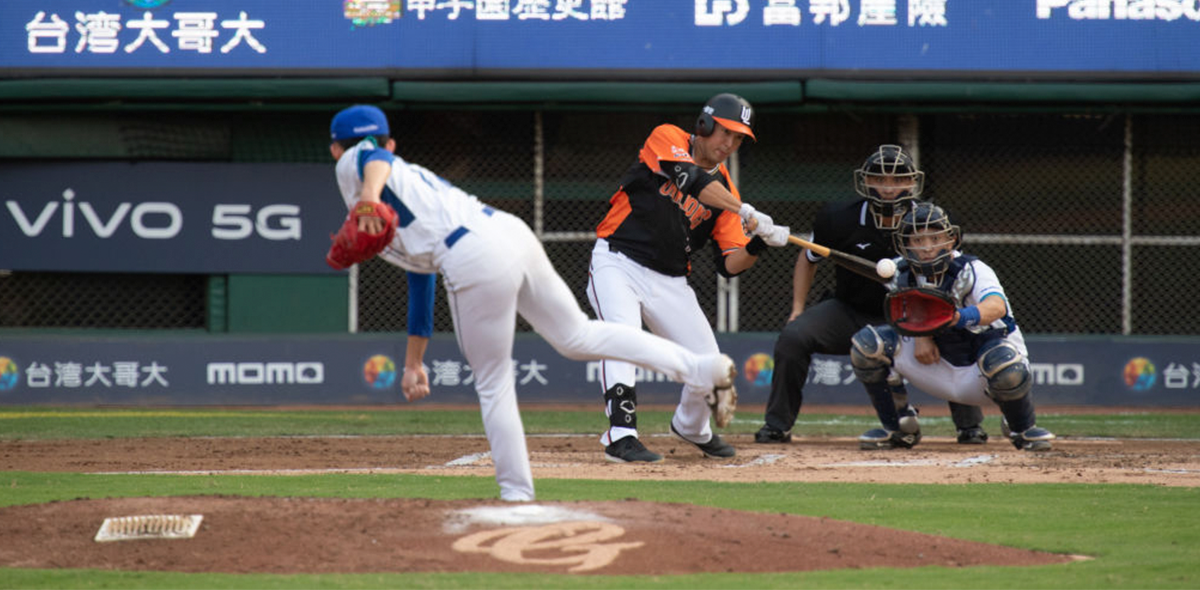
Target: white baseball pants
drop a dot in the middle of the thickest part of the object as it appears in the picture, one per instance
(624, 292)
(499, 269)
(965, 385)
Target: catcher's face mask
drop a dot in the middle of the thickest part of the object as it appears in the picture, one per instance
(927, 240)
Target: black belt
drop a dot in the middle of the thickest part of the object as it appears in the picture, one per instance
(462, 230)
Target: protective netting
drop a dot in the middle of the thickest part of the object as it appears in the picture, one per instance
(1045, 198)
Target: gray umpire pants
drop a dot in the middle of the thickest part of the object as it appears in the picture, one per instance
(824, 328)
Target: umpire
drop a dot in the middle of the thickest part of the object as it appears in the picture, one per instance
(888, 183)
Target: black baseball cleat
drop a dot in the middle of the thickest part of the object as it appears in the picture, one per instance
(972, 436)
(630, 450)
(769, 435)
(714, 448)
(878, 438)
(1033, 438)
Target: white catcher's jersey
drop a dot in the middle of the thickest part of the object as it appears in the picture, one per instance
(430, 209)
(984, 282)
(958, 383)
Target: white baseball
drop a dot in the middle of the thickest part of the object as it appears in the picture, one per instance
(886, 267)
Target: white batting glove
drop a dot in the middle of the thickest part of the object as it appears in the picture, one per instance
(778, 236)
(764, 225)
(746, 211)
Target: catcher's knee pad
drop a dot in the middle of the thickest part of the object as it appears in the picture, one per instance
(1006, 371)
(621, 402)
(871, 352)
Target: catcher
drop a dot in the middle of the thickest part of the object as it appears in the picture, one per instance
(950, 333)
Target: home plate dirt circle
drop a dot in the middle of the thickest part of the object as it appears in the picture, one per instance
(320, 535)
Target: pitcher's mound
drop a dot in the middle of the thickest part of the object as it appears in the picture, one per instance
(313, 535)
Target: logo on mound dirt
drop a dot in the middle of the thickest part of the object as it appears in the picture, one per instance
(584, 544)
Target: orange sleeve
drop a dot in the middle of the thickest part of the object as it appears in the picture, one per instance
(666, 142)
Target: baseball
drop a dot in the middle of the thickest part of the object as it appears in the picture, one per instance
(886, 267)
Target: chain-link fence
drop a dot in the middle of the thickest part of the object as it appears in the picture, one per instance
(1090, 220)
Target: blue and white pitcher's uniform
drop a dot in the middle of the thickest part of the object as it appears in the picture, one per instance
(493, 268)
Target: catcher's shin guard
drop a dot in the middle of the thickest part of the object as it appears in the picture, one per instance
(871, 352)
(885, 406)
(1006, 370)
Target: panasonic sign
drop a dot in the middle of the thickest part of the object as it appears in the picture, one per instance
(312, 373)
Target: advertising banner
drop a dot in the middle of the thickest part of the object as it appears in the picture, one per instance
(168, 217)
(638, 38)
(362, 369)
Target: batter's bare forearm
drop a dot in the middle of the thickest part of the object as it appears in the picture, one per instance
(739, 261)
(716, 195)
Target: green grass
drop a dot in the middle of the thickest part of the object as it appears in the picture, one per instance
(1140, 536)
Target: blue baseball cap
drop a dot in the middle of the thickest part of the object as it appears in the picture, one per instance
(359, 120)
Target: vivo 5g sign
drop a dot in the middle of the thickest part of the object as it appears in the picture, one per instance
(157, 220)
(192, 218)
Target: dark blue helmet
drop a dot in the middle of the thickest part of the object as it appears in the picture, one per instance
(927, 240)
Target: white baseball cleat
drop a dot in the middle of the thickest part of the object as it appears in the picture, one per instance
(723, 398)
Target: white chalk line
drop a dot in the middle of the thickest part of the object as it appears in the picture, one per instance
(968, 462)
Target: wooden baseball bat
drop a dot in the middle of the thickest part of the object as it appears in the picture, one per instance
(856, 264)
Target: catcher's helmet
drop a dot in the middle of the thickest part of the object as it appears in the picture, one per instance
(889, 179)
(730, 111)
(927, 240)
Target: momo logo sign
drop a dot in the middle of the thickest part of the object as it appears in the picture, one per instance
(256, 373)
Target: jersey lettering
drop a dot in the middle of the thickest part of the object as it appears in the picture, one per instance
(692, 208)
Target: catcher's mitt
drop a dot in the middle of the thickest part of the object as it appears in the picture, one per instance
(351, 246)
(919, 311)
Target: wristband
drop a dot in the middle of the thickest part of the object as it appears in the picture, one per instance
(756, 246)
(967, 317)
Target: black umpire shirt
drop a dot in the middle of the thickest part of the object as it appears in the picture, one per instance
(849, 227)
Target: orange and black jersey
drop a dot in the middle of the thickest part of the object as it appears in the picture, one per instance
(656, 224)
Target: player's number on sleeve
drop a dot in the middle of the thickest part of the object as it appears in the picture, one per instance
(272, 222)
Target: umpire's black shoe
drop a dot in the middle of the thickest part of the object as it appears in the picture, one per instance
(630, 450)
(972, 436)
(878, 438)
(769, 435)
(715, 447)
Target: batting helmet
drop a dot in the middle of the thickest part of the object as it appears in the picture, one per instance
(730, 111)
(891, 170)
(927, 240)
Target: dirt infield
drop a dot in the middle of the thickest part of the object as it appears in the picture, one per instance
(631, 537)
